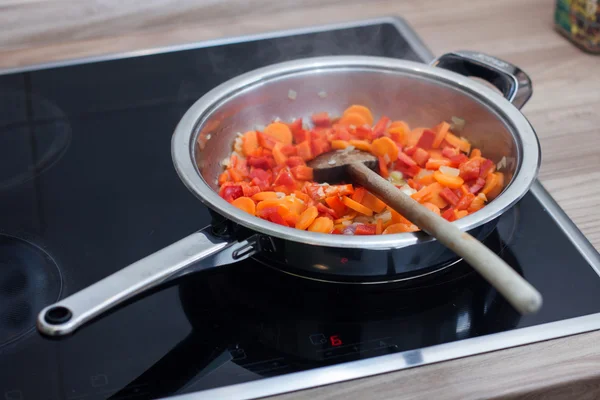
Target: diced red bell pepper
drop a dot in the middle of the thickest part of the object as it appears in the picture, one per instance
(486, 167)
(383, 168)
(408, 170)
(263, 162)
(410, 150)
(449, 196)
(336, 231)
(363, 132)
(365, 229)
(380, 127)
(321, 119)
(457, 160)
(449, 214)
(304, 150)
(319, 146)
(470, 169)
(450, 152)
(477, 186)
(465, 201)
(426, 139)
(326, 210)
(294, 161)
(250, 191)
(340, 132)
(261, 184)
(288, 150)
(266, 141)
(406, 160)
(302, 173)
(231, 191)
(285, 178)
(421, 156)
(414, 184)
(272, 214)
(336, 205)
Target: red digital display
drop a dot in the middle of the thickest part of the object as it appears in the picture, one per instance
(335, 340)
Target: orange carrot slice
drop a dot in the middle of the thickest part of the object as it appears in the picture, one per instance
(457, 142)
(460, 213)
(339, 144)
(280, 132)
(385, 146)
(362, 111)
(270, 203)
(245, 204)
(321, 225)
(400, 228)
(379, 227)
(356, 206)
(354, 119)
(433, 208)
(453, 182)
(361, 145)
(475, 153)
(279, 157)
(260, 196)
(307, 217)
(493, 185)
(440, 133)
(371, 201)
(249, 143)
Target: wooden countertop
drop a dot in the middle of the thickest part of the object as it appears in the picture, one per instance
(563, 110)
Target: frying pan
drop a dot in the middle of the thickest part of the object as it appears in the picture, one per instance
(422, 95)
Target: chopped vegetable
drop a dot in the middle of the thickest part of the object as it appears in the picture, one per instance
(267, 175)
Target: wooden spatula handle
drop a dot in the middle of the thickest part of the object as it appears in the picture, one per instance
(524, 297)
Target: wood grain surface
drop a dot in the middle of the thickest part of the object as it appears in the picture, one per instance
(564, 110)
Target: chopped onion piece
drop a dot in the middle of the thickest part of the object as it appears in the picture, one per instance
(423, 173)
(292, 94)
(331, 162)
(322, 94)
(280, 195)
(346, 223)
(449, 171)
(384, 216)
(407, 190)
(386, 158)
(225, 162)
(482, 197)
(457, 124)
(348, 149)
(208, 136)
(501, 163)
(396, 177)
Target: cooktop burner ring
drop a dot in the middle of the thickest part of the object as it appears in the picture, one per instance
(30, 279)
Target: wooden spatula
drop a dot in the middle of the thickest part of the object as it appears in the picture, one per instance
(357, 166)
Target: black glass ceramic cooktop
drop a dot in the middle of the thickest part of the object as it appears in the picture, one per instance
(87, 186)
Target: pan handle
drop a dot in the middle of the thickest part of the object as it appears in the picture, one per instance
(513, 82)
(200, 251)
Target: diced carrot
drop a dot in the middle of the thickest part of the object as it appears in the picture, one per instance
(362, 111)
(371, 201)
(421, 156)
(288, 150)
(426, 180)
(249, 143)
(359, 194)
(383, 169)
(431, 194)
(460, 213)
(349, 217)
(493, 185)
(355, 119)
(361, 145)
(279, 157)
(307, 217)
(379, 227)
(475, 153)
(322, 225)
(294, 204)
(385, 146)
(223, 177)
(302, 196)
(336, 204)
(265, 140)
(304, 150)
(235, 175)
(436, 163)
(453, 182)
(457, 142)
(302, 173)
(270, 203)
(265, 196)
(432, 207)
(400, 228)
(477, 204)
(414, 184)
(440, 133)
(339, 144)
(398, 218)
(245, 204)
(280, 132)
(356, 206)
(290, 218)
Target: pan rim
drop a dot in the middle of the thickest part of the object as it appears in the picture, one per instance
(186, 133)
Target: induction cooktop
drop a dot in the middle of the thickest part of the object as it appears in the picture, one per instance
(87, 186)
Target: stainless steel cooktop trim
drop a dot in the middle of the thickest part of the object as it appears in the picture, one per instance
(398, 361)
